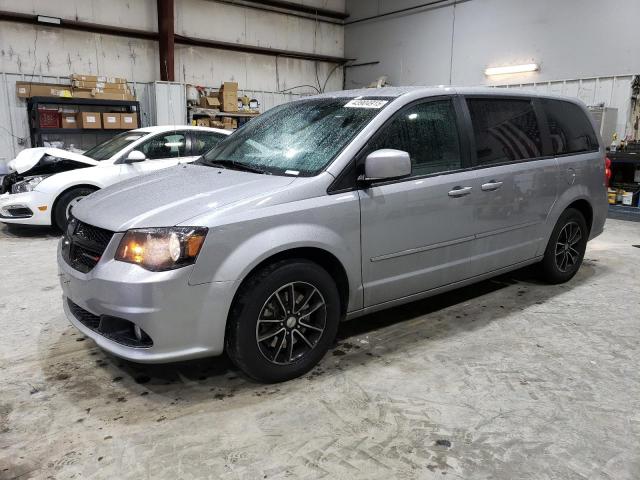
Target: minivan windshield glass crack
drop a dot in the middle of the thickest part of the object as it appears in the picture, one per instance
(298, 138)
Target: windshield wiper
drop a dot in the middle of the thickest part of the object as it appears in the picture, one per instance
(233, 165)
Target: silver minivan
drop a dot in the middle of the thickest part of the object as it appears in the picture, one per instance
(329, 208)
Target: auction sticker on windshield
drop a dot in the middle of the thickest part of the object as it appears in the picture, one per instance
(366, 103)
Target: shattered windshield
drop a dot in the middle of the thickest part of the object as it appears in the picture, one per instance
(297, 138)
(108, 149)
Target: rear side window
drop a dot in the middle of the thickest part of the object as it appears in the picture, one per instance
(569, 127)
(426, 131)
(505, 130)
(205, 141)
(168, 145)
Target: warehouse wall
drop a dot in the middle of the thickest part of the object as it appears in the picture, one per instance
(47, 52)
(453, 43)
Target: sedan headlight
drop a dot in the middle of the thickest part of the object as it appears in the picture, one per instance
(160, 249)
(28, 184)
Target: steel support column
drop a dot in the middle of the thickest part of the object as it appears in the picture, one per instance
(166, 40)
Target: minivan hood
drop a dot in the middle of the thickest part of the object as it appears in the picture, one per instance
(171, 196)
(30, 157)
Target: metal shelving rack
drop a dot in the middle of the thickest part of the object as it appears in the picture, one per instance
(242, 117)
(36, 133)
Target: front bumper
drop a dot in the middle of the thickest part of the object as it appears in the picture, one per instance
(184, 321)
(14, 207)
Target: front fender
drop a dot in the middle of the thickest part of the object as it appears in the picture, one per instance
(61, 182)
(251, 251)
(328, 222)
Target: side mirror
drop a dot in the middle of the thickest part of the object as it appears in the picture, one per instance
(387, 164)
(135, 156)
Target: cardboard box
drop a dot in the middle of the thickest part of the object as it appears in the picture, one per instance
(230, 87)
(90, 120)
(128, 120)
(111, 121)
(34, 89)
(228, 101)
(210, 102)
(102, 96)
(69, 120)
(95, 78)
(203, 122)
(94, 91)
(100, 85)
(229, 123)
(114, 96)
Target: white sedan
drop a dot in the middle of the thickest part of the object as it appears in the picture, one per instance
(44, 182)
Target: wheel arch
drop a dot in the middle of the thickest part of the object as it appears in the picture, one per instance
(68, 189)
(321, 257)
(585, 208)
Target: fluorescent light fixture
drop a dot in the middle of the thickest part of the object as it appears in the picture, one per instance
(509, 69)
(45, 19)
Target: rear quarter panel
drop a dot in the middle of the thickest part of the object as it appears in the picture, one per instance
(581, 178)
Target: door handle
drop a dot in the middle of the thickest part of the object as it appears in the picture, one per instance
(460, 191)
(491, 186)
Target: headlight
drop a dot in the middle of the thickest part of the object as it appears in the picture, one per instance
(28, 184)
(159, 249)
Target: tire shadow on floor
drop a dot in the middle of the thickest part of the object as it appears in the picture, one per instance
(27, 231)
(99, 375)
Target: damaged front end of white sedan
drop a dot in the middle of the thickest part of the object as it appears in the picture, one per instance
(43, 184)
(27, 171)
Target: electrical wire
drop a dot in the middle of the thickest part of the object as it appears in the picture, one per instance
(315, 40)
(300, 86)
(324, 85)
(11, 134)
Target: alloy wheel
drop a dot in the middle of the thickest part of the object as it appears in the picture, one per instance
(291, 322)
(566, 254)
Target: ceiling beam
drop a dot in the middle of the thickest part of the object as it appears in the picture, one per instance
(236, 47)
(297, 7)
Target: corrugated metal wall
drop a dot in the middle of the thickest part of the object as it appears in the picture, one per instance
(614, 91)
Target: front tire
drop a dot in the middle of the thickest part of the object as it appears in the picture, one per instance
(565, 250)
(283, 321)
(61, 209)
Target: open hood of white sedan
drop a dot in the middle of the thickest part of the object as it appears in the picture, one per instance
(29, 158)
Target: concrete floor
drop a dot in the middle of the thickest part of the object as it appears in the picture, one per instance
(506, 379)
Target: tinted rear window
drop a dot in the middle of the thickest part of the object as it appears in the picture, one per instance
(570, 128)
(505, 130)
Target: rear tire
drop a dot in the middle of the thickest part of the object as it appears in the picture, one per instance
(60, 212)
(565, 250)
(283, 320)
